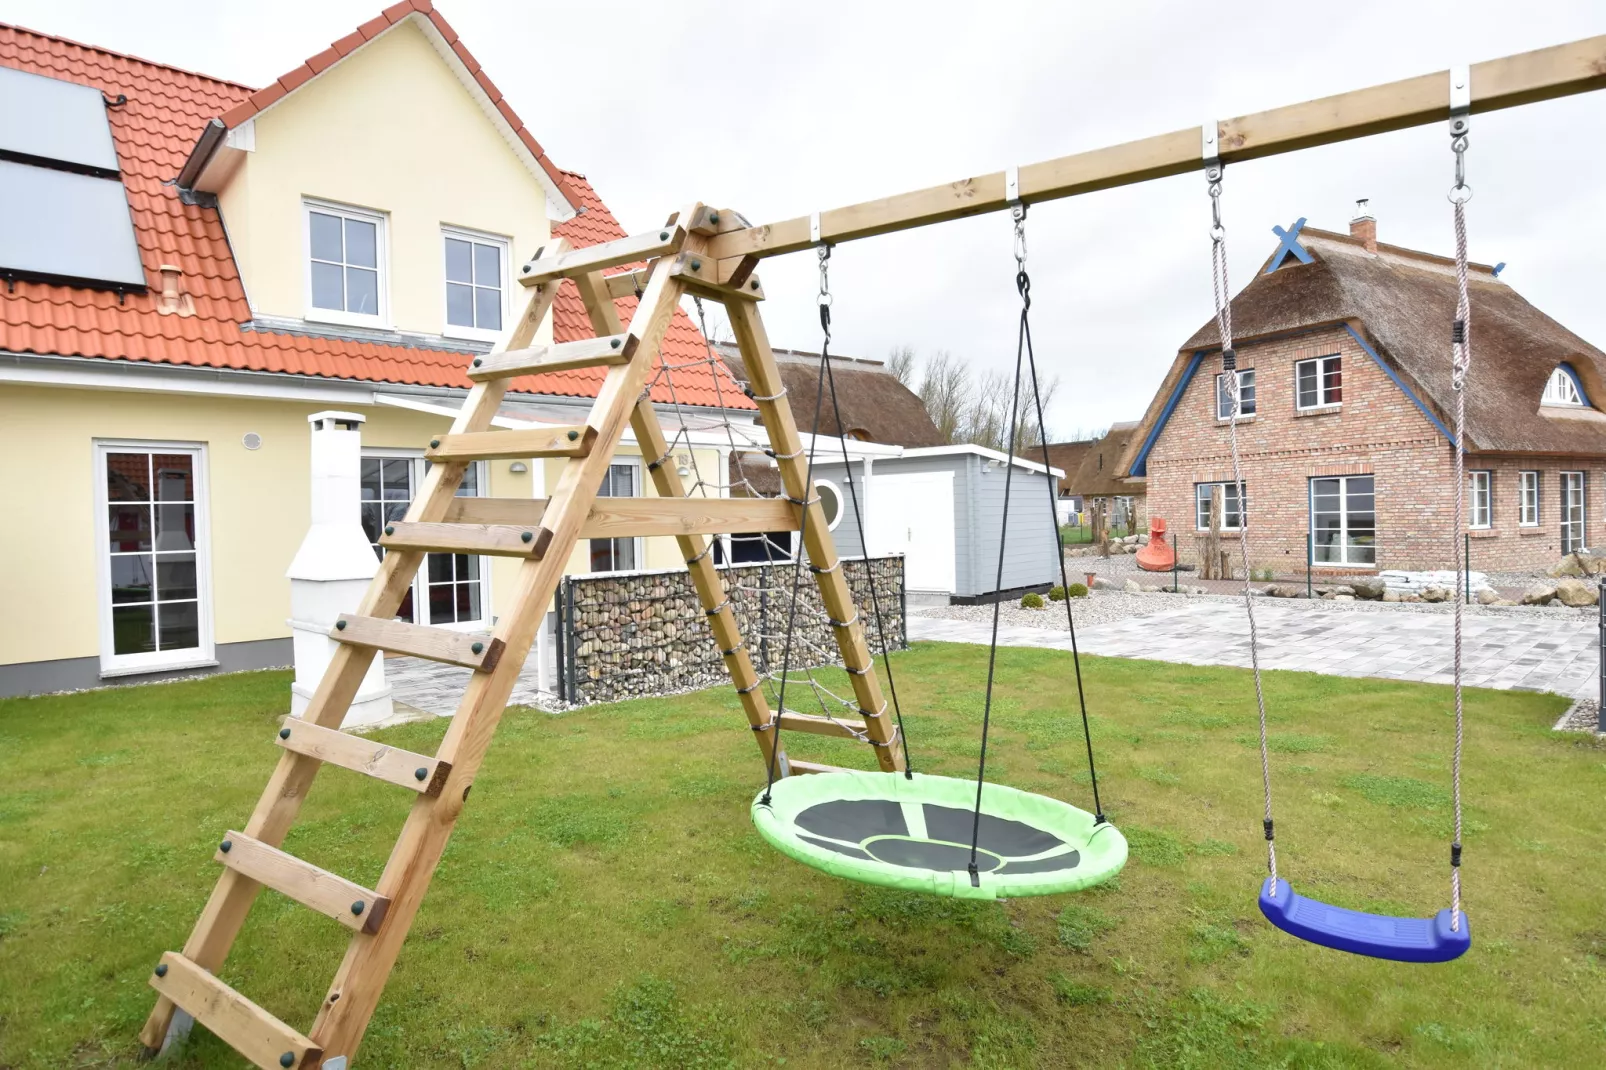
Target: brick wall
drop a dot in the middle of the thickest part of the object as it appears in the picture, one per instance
(1376, 430)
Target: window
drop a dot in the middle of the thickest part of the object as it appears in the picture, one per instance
(613, 555)
(1479, 507)
(1528, 499)
(830, 502)
(1563, 388)
(1319, 382)
(1231, 512)
(345, 258)
(1572, 512)
(1246, 395)
(476, 267)
(154, 610)
(1343, 521)
(452, 586)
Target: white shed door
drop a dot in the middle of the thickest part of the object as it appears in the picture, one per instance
(913, 515)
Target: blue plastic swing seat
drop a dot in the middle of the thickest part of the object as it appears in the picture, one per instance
(1377, 936)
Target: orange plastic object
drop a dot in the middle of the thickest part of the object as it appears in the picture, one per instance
(1158, 555)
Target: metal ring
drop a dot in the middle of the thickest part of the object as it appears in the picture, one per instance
(748, 690)
(715, 611)
(734, 649)
(845, 623)
(769, 397)
(1464, 191)
(826, 571)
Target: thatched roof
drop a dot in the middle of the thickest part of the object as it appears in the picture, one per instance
(875, 407)
(1099, 474)
(1403, 302)
(1067, 457)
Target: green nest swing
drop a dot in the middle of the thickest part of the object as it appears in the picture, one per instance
(965, 839)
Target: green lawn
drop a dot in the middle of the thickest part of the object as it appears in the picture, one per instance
(605, 901)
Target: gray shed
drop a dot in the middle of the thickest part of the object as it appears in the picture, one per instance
(942, 507)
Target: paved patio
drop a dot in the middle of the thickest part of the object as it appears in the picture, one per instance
(1533, 651)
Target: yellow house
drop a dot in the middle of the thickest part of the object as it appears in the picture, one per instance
(211, 265)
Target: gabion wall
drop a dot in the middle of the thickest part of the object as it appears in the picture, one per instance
(644, 633)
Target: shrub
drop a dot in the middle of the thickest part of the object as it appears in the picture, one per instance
(1032, 601)
(1077, 590)
(1056, 594)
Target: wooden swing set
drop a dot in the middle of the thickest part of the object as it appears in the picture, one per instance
(711, 254)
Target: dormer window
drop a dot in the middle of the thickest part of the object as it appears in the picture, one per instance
(1563, 388)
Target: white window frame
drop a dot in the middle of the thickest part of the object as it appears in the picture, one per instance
(420, 584)
(1528, 498)
(1201, 497)
(1571, 480)
(1321, 382)
(841, 501)
(381, 261)
(640, 552)
(1562, 389)
(1224, 414)
(1480, 499)
(1344, 527)
(481, 334)
(113, 664)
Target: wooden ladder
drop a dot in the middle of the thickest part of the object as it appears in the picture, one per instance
(542, 534)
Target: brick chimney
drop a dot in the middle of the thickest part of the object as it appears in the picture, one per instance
(1363, 227)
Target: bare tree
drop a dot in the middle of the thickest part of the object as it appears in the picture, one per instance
(945, 391)
(901, 364)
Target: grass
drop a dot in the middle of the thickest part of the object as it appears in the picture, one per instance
(605, 902)
(1082, 534)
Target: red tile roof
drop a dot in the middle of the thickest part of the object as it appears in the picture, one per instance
(154, 133)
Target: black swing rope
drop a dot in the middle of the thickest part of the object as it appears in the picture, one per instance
(1026, 356)
(827, 381)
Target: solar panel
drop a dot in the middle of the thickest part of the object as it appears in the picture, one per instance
(67, 227)
(48, 119)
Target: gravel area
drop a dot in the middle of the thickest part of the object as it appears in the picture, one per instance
(1583, 716)
(1102, 607)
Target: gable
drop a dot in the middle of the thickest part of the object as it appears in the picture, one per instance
(390, 129)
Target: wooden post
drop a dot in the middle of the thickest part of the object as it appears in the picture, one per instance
(1213, 559)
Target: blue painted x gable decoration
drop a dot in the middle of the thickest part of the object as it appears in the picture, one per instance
(1290, 246)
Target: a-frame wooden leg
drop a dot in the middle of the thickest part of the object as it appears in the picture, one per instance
(361, 978)
(817, 542)
(226, 910)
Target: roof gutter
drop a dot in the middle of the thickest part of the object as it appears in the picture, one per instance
(211, 137)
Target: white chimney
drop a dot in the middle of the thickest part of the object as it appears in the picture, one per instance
(332, 570)
(1363, 228)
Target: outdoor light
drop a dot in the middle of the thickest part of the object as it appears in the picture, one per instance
(518, 468)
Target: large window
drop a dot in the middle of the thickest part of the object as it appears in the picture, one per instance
(1231, 510)
(1572, 512)
(1480, 507)
(476, 270)
(345, 264)
(613, 555)
(153, 558)
(1319, 382)
(1246, 395)
(1343, 521)
(451, 587)
(1528, 500)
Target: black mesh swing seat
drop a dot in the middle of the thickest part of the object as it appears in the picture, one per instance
(915, 832)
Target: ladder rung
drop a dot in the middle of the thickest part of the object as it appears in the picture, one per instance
(361, 755)
(232, 1018)
(347, 902)
(575, 441)
(819, 726)
(500, 540)
(797, 766)
(622, 518)
(655, 243)
(565, 356)
(420, 640)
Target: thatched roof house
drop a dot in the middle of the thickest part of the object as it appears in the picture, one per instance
(1099, 475)
(1067, 457)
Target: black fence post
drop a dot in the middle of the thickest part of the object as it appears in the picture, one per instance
(903, 599)
(1466, 564)
(1310, 563)
(1600, 600)
(764, 617)
(571, 672)
(560, 656)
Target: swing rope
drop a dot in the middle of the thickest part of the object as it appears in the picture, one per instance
(826, 380)
(1025, 356)
(1229, 364)
(1460, 361)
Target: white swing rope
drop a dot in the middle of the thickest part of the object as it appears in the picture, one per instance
(1229, 363)
(1460, 362)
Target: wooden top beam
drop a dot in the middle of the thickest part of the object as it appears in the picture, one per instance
(1559, 71)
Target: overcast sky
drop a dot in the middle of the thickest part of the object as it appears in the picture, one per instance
(778, 110)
